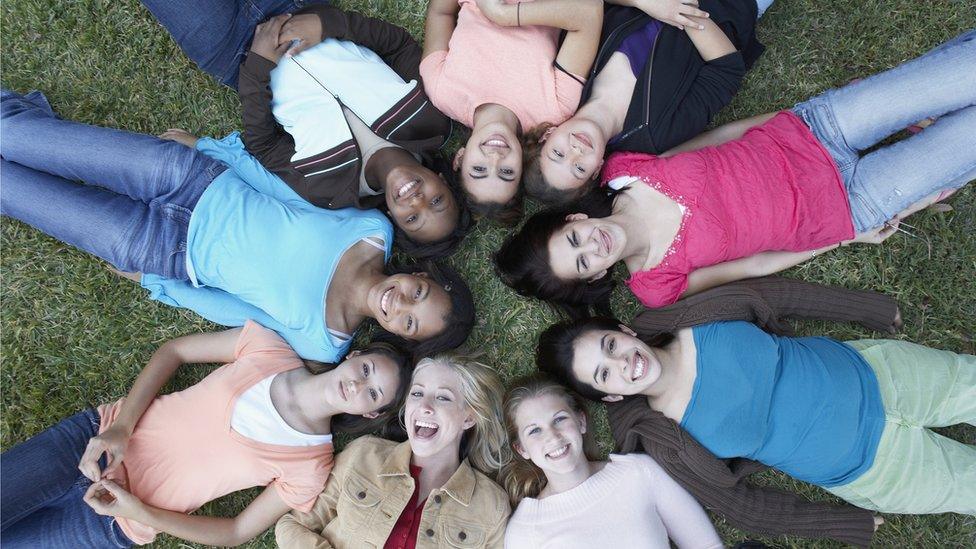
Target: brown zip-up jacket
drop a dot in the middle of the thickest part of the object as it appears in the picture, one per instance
(721, 486)
(330, 179)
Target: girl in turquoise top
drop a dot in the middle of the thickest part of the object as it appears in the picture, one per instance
(853, 418)
(212, 230)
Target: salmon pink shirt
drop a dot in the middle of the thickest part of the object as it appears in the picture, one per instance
(774, 188)
(183, 452)
(512, 66)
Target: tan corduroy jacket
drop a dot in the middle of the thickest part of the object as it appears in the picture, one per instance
(368, 489)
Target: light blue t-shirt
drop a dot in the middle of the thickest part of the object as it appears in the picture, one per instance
(256, 250)
(808, 406)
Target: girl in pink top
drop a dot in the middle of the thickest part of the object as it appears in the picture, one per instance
(568, 499)
(262, 419)
(497, 67)
(760, 195)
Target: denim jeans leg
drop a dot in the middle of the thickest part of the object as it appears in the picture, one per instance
(216, 34)
(139, 166)
(41, 469)
(66, 523)
(129, 234)
(941, 81)
(889, 180)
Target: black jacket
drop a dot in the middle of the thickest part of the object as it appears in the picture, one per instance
(677, 92)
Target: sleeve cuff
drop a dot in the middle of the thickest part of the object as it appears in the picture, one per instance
(256, 64)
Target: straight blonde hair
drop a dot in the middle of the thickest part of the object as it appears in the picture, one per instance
(520, 477)
(485, 445)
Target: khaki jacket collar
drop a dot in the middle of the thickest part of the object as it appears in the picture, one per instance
(460, 486)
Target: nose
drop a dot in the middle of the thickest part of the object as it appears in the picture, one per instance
(417, 199)
(352, 387)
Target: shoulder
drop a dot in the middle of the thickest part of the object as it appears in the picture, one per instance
(491, 497)
(256, 339)
(641, 464)
(368, 445)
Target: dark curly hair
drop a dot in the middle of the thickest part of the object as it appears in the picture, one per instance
(387, 418)
(522, 262)
(554, 355)
(444, 247)
(458, 322)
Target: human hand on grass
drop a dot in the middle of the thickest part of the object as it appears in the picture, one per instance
(266, 43)
(112, 443)
(306, 28)
(109, 499)
(180, 136)
(876, 235)
(676, 13)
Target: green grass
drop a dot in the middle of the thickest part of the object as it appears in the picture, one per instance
(74, 335)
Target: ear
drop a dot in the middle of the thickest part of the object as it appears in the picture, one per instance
(458, 157)
(521, 451)
(612, 398)
(596, 172)
(626, 329)
(545, 135)
(371, 415)
(468, 422)
(352, 354)
(582, 422)
(598, 276)
(421, 274)
(577, 217)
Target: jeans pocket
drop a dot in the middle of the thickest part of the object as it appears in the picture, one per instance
(863, 213)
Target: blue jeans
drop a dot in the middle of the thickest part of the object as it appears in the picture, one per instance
(850, 119)
(41, 502)
(216, 34)
(133, 205)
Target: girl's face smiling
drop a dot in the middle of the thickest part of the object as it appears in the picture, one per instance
(410, 305)
(615, 362)
(436, 414)
(586, 248)
(550, 434)
(363, 383)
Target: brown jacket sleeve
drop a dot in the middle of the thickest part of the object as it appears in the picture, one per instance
(392, 43)
(767, 301)
(263, 136)
(721, 487)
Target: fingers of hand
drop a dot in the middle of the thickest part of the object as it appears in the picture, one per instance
(99, 498)
(89, 460)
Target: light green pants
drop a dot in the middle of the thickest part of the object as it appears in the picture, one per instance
(916, 470)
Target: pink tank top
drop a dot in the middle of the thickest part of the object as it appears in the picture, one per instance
(774, 188)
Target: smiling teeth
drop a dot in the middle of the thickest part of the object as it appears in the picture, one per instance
(639, 368)
(427, 424)
(406, 189)
(495, 143)
(385, 301)
(558, 453)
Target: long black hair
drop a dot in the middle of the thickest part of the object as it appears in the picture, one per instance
(523, 260)
(357, 425)
(554, 355)
(446, 246)
(458, 322)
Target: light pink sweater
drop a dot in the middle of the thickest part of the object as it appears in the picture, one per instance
(631, 502)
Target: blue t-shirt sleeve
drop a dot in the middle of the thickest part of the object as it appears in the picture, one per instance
(223, 308)
(230, 150)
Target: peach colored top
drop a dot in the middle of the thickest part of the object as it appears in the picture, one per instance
(183, 452)
(512, 66)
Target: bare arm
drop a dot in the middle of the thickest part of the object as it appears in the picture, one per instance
(709, 39)
(673, 12)
(719, 135)
(196, 348)
(760, 264)
(441, 20)
(107, 498)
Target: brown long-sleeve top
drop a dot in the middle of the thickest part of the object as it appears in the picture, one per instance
(329, 178)
(721, 485)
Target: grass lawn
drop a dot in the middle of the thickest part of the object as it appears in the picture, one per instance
(74, 335)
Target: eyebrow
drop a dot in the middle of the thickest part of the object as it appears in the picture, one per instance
(373, 373)
(603, 342)
(473, 176)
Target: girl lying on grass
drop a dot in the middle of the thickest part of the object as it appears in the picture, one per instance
(332, 103)
(760, 195)
(568, 498)
(500, 69)
(853, 418)
(653, 86)
(210, 229)
(119, 474)
(429, 492)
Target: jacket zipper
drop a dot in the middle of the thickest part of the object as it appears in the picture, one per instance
(647, 101)
(609, 39)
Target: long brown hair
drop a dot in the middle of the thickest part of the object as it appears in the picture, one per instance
(520, 477)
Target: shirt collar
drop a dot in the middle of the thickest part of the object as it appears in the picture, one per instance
(460, 486)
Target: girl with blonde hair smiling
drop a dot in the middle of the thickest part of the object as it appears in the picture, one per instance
(567, 497)
(430, 491)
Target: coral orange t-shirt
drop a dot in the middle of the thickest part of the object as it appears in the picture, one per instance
(512, 66)
(183, 452)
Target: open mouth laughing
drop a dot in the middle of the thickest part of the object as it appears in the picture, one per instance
(385, 300)
(639, 369)
(407, 189)
(425, 430)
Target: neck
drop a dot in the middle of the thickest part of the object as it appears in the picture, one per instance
(493, 113)
(557, 483)
(382, 162)
(305, 392)
(438, 468)
(598, 111)
(668, 359)
(635, 225)
(356, 301)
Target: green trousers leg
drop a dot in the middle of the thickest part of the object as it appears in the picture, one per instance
(916, 470)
